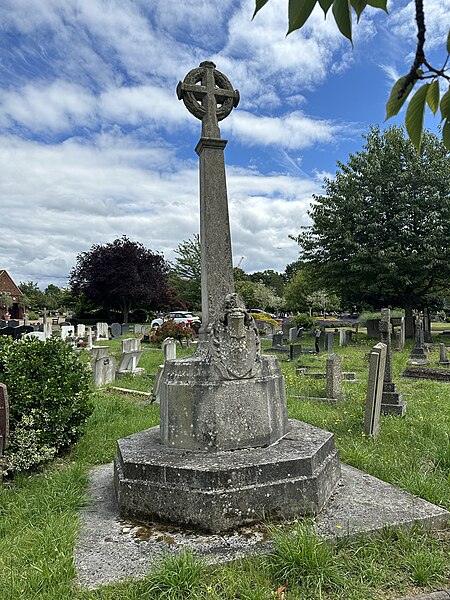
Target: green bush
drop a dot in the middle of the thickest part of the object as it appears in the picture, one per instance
(49, 397)
(302, 320)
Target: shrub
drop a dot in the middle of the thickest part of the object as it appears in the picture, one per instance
(266, 318)
(49, 396)
(302, 320)
(178, 331)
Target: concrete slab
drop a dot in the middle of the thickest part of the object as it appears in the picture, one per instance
(110, 549)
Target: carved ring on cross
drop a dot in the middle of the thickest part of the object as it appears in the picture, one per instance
(203, 82)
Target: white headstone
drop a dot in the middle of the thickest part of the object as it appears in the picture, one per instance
(81, 330)
(67, 331)
(169, 347)
(102, 331)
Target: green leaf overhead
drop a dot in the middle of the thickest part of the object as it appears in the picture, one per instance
(325, 5)
(415, 115)
(359, 6)
(343, 17)
(445, 105)
(395, 102)
(448, 42)
(258, 5)
(433, 96)
(446, 134)
(299, 11)
(378, 4)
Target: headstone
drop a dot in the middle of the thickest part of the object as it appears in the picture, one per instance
(169, 347)
(348, 335)
(277, 339)
(67, 331)
(285, 327)
(334, 377)
(418, 355)
(81, 330)
(293, 334)
(391, 401)
(342, 338)
(228, 398)
(128, 364)
(427, 336)
(329, 341)
(89, 337)
(22, 330)
(377, 363)
(116, 330)
(443, 359)
(104, 370)
(102, 332)
(47, 329)
(4, 418)
(14, 323)
(131, 344)
(97, 352)
(295, 351)
(127, 328)
(372, 328)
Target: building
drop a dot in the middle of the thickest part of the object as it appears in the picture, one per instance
(7, 286)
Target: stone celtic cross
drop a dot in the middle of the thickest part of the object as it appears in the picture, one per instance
(209, 96)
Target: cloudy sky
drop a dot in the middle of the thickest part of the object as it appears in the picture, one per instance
(94, 143)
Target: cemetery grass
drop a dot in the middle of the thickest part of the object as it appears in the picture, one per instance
(39, 513)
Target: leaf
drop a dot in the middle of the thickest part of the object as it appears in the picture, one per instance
(325, 5)
(445, 105)
(378, 4)
(448, 42)
(258, 5)
(446, 134)
(433, 96)
(299, 11)
(359, 6)
(394, 103)
(415, 114)
(343, 17)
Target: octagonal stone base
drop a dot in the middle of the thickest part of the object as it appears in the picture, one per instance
(218, 491)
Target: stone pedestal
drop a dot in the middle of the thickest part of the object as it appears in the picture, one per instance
(217, 491)
(392, 402)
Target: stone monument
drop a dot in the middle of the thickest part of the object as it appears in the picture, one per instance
(418, 355)
(225, 453)
(391, 401)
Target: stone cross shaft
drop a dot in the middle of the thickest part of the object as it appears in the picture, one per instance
(209, 96)
(385, 331)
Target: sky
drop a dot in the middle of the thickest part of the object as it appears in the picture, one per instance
(94, 143)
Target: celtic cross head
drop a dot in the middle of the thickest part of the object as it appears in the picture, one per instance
(208, 95)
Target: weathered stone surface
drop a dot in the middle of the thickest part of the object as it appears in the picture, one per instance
(392, 402)
(334, 377)
(169, 347)
(104, 370)
(224, 490)
(129, 363)
(377, 364)
(277, 339)
(201, 411)
(427, 373)
(116, 330)
(102, 331)
(131, 345)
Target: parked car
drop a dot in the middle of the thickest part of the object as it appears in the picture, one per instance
(179, 316)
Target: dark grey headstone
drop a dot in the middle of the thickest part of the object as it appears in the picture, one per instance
(116, 330)
(277, 339)
(295, 350)
(126, 328)
(329, 342)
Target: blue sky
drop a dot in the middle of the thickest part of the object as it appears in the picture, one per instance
(94, 143)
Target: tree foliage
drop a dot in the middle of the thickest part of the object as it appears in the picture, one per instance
(257, 295)
(271, 279)
(122, 275)
(380, 233)
(185, 274)
(421, 70)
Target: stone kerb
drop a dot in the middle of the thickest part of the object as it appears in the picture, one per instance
(377, 364)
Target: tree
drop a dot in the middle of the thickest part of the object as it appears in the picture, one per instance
(185, 274)
(32, 295)
(257, 295)
(297, 291)
(121, 275)
(271, 279)
(421, 70)
(380, 234)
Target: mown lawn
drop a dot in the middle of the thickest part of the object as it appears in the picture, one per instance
(39, 513)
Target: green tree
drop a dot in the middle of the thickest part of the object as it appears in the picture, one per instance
(257, 295)
(297, 290)
(380, 233)
(271, 279)
(122, 275)
(32, 295)
(53, 297)
(421, 70)
(185, 274)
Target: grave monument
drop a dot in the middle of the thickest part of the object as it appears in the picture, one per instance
(225, 453)
(392, 402)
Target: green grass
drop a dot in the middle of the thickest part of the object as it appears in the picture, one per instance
(39, 513)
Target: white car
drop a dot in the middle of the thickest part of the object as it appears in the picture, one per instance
(179, 316)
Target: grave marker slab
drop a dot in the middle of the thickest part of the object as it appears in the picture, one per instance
(377, 364)
(169, 347)
(392, 402)
(102, 332)
(334, 377)
(104, 370)
(116, 330)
